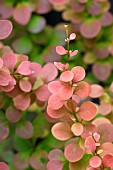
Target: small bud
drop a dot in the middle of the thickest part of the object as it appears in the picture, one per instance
(65, 26)
(99, 151)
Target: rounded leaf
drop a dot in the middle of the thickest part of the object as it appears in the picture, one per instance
(79, 73)
(101, 72)
(49, 72)
(1, 63)
(25, 85)
(9, 60)
(107, 148)
(65, 92)
(5, 28)
(66, 76)
(5, 78)
(96, 91)
(55, 164)
(4, 130)
(57, 113)
(87, 111)
(82, 90)
(77, 129)
(22, 14)
(43, 93)
(54, 86)
(105, 130)
(13, 115)
(38, 160)
(90, 144)
(55, 102)
(20, 161)
(22, 102)
(90, 29)
(61, 50)
(25, 130)
(55, 154)
(3, 166)
(24, 68)
(95, 162)
(108, 161)
(58, 2)
(61, 131)
(73, 152)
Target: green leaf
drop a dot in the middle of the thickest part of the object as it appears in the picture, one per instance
(22, 144)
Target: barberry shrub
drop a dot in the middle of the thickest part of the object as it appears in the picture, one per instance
(87, 135)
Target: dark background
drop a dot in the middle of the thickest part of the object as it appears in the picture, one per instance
(54, 17)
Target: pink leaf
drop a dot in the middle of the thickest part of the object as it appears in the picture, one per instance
(36, 160)
(101, 72)
(66, 76)
(25, 130)
(4, 130)
(36, 69)
(87, 111)
(5, 28)
(22, 102)
(100, 120)
(77, 129)
(79, 73)
(55, 102)
(10, 86)
(49, 72)
(104, 108)
(106, 130)
(55, 154)
(43, 93)
(61, 67)
(43, 7)
(72, 36)
(73, 53)
(25, 85)
(3, 166)
(54, 86)
(22, 14)
(89, 129)
(61, 50)
(82, 90)
(20, 161)
(57, 113)
(58, 2)
(90, 144)
(61, 131)
(96, 136)
(73, 152)
(111, 87)
(24, 68)
(55, 164)
(9, 60)
(108, 161)
(107, 148)
(5, 78)
(94, 8)
(13, 115)
(65, 92)
(96, 91)
(90, 29)
(71, 104)
(1, 63)
(95, 162)
(106, 19)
